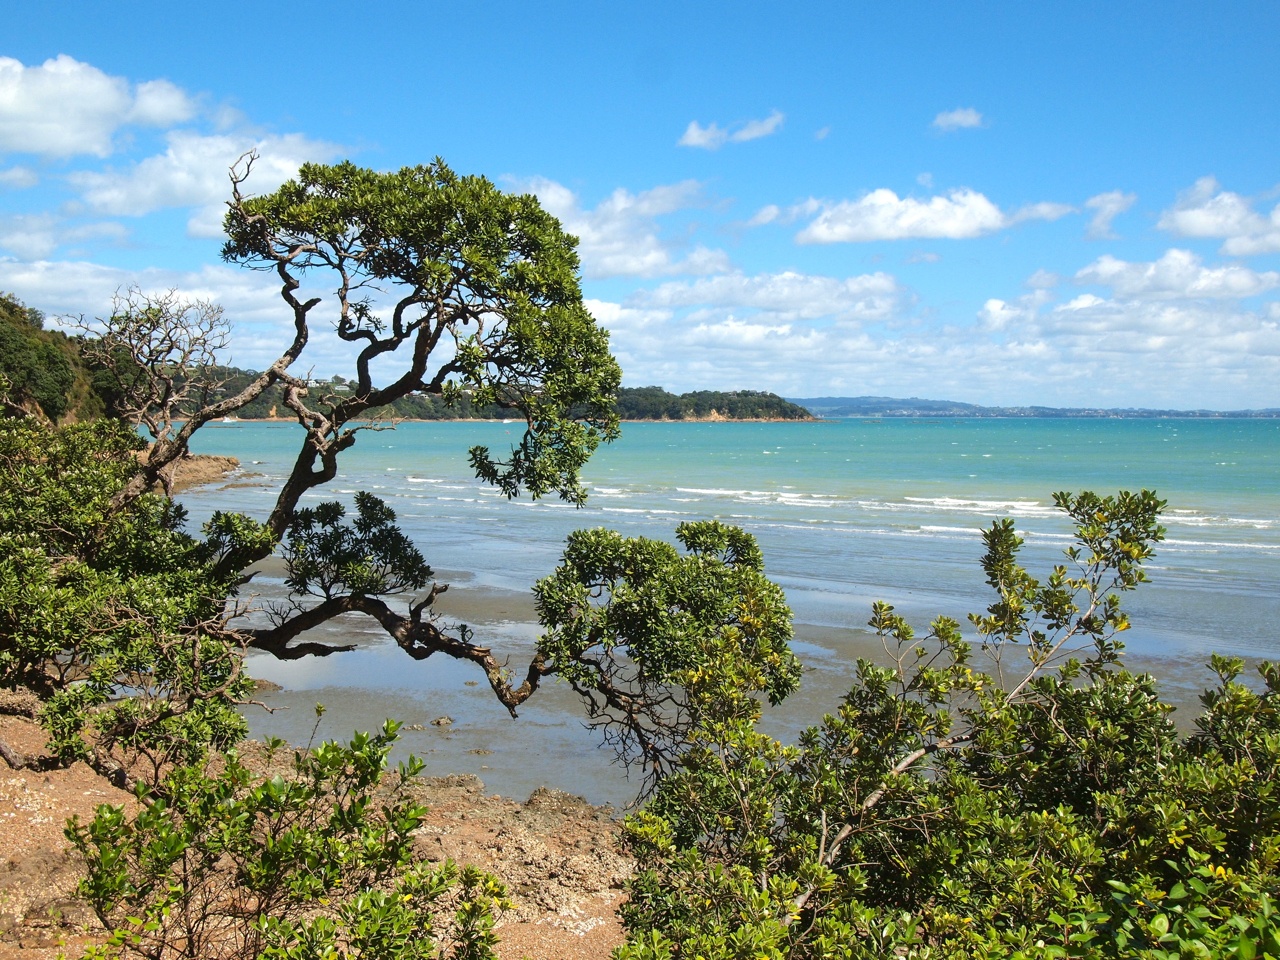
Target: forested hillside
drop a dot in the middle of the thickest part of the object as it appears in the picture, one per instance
(633, 403)
(654, 403)
(40, 370)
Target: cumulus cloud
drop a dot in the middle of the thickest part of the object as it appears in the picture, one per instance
(1206, 210)
(64, 107)
(192, 172)
(29, 236)
(713, 136)
(159, 103)
(36, 235)
(1179, 274)
(788, 295)
(18, 178)
(620, 237)
(1106, 207)
(1045, 210)
(883, 215)
(962, 118)
(1001, 314)
(1022, 350)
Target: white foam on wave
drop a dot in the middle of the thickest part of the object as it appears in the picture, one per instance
(1189, 519)
(1015, 507)
(1223, 545)
(799, 502)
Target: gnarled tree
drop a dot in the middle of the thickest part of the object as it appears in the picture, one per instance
(442, 285)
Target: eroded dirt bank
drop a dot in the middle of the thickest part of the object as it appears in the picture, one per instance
(558, 855)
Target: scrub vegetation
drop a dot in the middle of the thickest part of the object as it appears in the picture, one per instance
(1003, 790)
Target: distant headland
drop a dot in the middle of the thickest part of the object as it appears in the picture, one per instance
(838, 407)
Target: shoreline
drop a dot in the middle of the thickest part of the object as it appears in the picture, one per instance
(396, 420)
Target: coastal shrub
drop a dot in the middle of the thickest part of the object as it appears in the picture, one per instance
(218, 862)
(644, 633)
(110, 615)
(1017, 795)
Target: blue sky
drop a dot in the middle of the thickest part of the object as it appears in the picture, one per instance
(1064, 204)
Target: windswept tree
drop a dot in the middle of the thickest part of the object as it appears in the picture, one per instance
(444, 286)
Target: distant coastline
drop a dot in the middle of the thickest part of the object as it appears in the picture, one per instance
(862, 407)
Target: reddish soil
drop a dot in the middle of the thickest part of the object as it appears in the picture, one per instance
(558, 855)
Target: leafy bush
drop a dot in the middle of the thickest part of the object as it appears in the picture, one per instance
(645, 634)
(111, 616)
(219, 864)
(1020, 798)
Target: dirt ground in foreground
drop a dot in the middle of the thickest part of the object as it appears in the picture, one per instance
(559, 857)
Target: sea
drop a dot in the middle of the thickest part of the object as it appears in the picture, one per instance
(847, 512)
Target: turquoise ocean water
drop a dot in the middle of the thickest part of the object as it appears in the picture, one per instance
(847, 512)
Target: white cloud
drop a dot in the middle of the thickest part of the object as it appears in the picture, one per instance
(883, 215)
(822, 133)
(999, 315)
(961, 118)
(64, 107)
(710, 137)
(18, 178)
(713, 136)
(1043, 280)
(788, 295)
(616, 317)
(1045, 210)
(34, 236)
(620, 236)
(761, 332)
(159, 103)
(755, 129)
(924, 256)
(766, 214)
(192, 172)
(1107, 207)
(1206, 210)
(1179, 274)
(29, 236)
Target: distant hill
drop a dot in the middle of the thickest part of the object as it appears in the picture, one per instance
(655, 403)
(834, 407)
(634, 403)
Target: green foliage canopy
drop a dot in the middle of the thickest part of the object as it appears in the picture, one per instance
(1009, 800)
(485, 285)
(112, 616)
